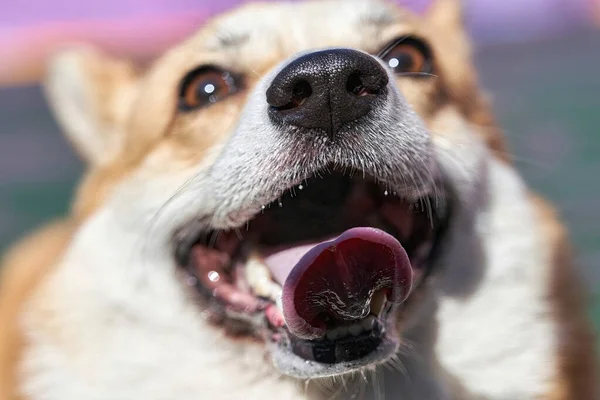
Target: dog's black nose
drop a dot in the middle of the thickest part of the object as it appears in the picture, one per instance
(326, 89)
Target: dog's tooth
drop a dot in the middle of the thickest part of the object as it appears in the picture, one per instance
(355, 329)
(259, 278)
(378, 302)
(333, 334)
(368, 323)
(279, 301)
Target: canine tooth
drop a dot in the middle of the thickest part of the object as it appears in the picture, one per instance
(355, 329)
(279, 302)
(368, 323)
(259, 278)
(377, 302)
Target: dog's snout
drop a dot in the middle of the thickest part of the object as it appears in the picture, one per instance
(326, 89)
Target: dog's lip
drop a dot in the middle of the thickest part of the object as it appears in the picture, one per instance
(238, 218)
(295, 357)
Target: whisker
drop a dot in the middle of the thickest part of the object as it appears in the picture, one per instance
(418, 74)
(377, 387)
(238, 233)
(214, 236)
(155, 217)
(336, 393)
(363, 376)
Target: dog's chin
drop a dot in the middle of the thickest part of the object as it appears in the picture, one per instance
(305, 359)
(322, 274)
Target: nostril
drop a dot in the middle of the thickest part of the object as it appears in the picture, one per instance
(366, 80)
(360, 86)
(300, 92)
(355, 85)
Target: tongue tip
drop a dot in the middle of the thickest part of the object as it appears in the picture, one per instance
(319, 271)
(403, 273)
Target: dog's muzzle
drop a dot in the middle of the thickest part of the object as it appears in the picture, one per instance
(328, 214)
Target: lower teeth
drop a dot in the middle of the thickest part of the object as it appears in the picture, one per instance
(369, 322)
(365, 325)
(378, 301)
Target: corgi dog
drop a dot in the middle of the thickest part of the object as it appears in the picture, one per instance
(305, 200)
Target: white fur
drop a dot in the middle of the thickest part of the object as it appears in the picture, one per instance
(496, 333)
(499, 340)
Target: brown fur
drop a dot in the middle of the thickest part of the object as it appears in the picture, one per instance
(19, 278)
(577, 375)
(446, 31)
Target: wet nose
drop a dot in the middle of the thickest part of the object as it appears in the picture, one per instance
(326, 90)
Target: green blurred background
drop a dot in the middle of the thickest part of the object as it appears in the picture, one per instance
(544, 89)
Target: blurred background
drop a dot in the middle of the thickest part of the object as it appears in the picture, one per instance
(540, 59)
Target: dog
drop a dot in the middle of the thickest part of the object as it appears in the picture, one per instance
(303, 200)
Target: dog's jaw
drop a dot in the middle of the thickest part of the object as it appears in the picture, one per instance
(127, 310)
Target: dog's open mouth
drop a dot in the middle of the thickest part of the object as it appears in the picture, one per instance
(322, 269)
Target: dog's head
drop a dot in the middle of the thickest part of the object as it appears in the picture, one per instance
(302, 165)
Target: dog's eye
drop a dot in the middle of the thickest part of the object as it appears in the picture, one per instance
(408, 56)
(205, 86)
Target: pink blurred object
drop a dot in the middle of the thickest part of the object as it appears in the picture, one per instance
(24, 49)
(31, 29)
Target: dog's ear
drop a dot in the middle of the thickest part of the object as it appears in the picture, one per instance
(91, 94)
(446, 14)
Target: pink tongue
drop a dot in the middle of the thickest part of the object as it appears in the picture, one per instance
(282, 262)
(335, 280)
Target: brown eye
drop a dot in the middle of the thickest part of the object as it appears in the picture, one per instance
(205, 86)
(408, 56)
